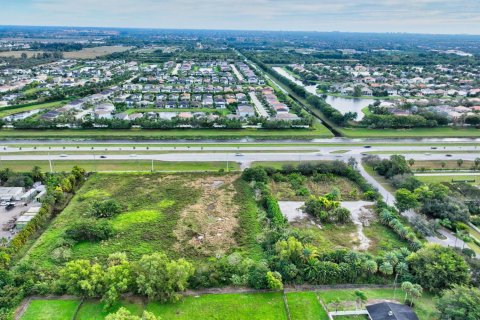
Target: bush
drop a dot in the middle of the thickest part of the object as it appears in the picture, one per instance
(105, 209)
(257, 174)
(90, 230)
(273, 211)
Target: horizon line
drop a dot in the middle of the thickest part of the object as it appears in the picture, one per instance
(244, 30)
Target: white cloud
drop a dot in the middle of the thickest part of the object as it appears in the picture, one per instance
(344, 15)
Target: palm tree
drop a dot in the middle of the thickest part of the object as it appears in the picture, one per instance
(386, 268)
(411, 162)
(477, 163)
(371, 266)
(459, 162)
(407, 287)
(361, 298)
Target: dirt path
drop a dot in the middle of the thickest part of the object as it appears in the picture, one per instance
(358, 208)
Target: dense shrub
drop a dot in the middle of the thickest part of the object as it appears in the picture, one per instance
(105, 209)
(90, 230)
(257, 174)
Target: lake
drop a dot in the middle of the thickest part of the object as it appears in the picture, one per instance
(343, 105)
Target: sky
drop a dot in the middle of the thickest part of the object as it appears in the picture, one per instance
(413, 16)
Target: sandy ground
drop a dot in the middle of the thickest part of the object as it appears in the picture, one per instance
(360, 214)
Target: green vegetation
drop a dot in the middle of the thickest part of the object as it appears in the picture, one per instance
(424, 306)
(318, 131)
(154, 205)
(29, 107)
(305, 306)
(119, 165)
(437, 178)
(51, 310)
(95, 310)
(438, 132)
(258, 306)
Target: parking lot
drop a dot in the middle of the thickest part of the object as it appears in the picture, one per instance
(6, 217)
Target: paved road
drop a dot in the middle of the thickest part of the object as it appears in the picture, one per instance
(449, 241)
(258, 105)
(236, 72)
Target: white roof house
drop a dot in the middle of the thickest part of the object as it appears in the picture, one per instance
(11, 193)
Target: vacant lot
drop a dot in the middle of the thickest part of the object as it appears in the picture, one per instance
(91, 53)
(18, 54)
(286, 190)
(159, 212)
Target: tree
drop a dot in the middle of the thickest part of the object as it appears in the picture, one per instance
(357, 91)
(386, 268)
(124, 314)
(411, 162)
(405, 200)
(459, 303)
(476, 163)
(256, 174)
(37, 174)
(117, 278)
(159, 278)
(82, 278)
(371, 266)
(436, 268)
(443, 164)
(460, 162)
(274, 280)
(361, 298)
(105, 209)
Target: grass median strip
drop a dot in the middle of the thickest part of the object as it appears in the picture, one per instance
(118, 165)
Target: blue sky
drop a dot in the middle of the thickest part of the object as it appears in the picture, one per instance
(416, 16)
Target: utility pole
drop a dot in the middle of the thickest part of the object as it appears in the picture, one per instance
(94, 164)
(152, 164)
(50, 163)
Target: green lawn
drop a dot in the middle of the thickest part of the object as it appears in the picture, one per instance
(352, 132)
(94, 310)
(161, 212)
(258, 306)
(47, 105)
(305, 306)
(118, 165)
(438, 177)
(51, 310)
(424, 307)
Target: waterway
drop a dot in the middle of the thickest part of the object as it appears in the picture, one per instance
(343, 105)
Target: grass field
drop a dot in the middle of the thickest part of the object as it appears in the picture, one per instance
(285, 191)
(100, 165)
(449, 178)
(95, 310)
(18, 54)
(319, 131)
(447, 132)
(259, 306)
(424, 307)
(45, 106)
(51, 310)
(161, 212)
(305, 306)
(241, 306)
(91, 53)
(437, 165)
